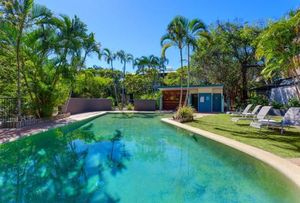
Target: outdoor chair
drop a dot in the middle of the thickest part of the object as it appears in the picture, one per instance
(264, 111)
(244, 112)
(254, 112)
(291, 118)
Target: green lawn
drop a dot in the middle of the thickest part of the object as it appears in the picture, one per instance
(286, 145)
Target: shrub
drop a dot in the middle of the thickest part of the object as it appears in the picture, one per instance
(153, 96)
(120, 106)
(277, 105)
(184, 114)
(130, 107)
(258, 100)
(294, 102)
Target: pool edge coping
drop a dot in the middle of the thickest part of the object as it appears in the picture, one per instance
(288, 169)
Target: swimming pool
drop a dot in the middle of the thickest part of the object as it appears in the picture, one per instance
(133, 158)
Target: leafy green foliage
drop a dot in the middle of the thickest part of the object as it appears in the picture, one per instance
(184, 114)
(89, 85)
(258, 100)
(130, 107)
(226, 55)
(44, 51)
(294, 102)
(277, 105)
(176, 78)
(277, 46)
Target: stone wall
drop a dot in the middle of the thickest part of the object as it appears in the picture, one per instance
(144, 105)
(81, 105)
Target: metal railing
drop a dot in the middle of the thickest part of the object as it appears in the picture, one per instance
(8, 112)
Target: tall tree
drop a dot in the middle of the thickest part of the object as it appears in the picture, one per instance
(279, 46)
(124, 59)
(176, 37)
(240, 41)
(142, 64)
(21, 14)
(226, 54)
(110, 57)
(90, 46)
(194, 28)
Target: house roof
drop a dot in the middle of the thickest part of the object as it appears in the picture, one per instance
(284, 82)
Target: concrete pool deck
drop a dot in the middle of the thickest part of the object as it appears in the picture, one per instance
(284, 166)
(10, 135)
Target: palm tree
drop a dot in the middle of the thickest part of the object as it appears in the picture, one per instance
(110, 57)
(90, 45)
(142, 64)
(162, 65)
(72, 40)
(21, 14)
(194, 29)
(176, 37)
(124, 59)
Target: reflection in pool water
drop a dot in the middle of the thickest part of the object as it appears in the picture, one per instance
(133, 158)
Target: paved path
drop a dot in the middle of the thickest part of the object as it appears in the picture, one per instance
(295, 161)
(9, 135)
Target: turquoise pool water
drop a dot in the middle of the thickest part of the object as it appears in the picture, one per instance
(133, 158)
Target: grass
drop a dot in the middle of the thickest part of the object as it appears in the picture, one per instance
(286, 145)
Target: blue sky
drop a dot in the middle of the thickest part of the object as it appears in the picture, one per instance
(137, 25)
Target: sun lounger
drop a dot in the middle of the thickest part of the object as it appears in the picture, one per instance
(254, 112)
(291, 118)
(260, 115)
(246, 110)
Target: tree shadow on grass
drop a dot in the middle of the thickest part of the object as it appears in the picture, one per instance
(291, 140)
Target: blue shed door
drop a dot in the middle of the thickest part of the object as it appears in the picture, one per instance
(217, 103)
(204, 103)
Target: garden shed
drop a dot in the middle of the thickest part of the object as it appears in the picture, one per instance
(204, 98)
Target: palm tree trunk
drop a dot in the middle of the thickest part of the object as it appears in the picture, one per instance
(181, 78)
(123, 85)
(115, 86)
(188, 79)
(18, 58)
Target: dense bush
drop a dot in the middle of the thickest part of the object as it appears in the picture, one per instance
(184, 114)
(277, 105)
(130, 107)
(294, 102)
(120, 106)
(152, 96)
(258, 100)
